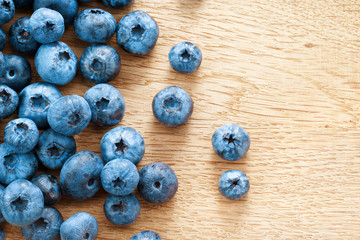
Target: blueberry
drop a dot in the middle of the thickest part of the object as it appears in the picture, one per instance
(15, 166)
(21, 38)
(119, 177)
(56, 63)
(17, 72)
(117, 3)
(123, 143)
(106, 103)
(234, 184)
(172, 106)
(9, 101)
(122, 210)
(7, 11)
(35, 101)
(146, 235)
(47, 227)
(47, 25)
(2, 39)
(2, 234)
(137, 33)
(158, 183)
(79, 226)
(69, 115)
(100, 63)
(2, 219)
(185, 57)
(80, 175)
(23, 3)
(21, 135)
(231, 142)
(67, 8)
(22, 203)
(49, 186)
(94, 25)
(53, 148)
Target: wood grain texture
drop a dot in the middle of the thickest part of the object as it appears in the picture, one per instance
(287, 71)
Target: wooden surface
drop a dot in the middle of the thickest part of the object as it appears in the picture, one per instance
(288, 71)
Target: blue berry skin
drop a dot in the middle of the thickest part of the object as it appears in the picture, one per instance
(106, 103)
(122, 210)
(100, 63)
(47, 25)
(67, 8)
(172, 106)
(122, 143)
(94, 25)
(234, 184)
(146, 235)
(23, 3)
(80, 175)
(79, 226)
(185, 57)
(49, 186)
(117, 3)
(7, 11)
(22, 203)
(47, 227)
(17, 72)
(21, 38)
(158, 182)
(2, 234)
(69, 115)
(231, 142)
(137, 33)
(119, 177)
(35, 100)
(2, 39)
(56, 63)
(9, 101)
(53, 149)
(21, 135)
(2, 219)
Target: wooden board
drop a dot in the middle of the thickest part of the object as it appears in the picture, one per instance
(288, 71)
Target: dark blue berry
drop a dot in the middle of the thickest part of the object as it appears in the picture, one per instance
(7, 11)
(17, 72)
(2, 39)
(49, 186)
(67, 8)
(146, 235)
(9, 101)
(122, 210)
(234, 184)
(21, 38)
(117, 3)
(185, 57)
(79, 226)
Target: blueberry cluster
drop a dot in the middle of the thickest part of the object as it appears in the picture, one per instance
(47, 121)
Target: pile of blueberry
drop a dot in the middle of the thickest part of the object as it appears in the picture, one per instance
(27, 199)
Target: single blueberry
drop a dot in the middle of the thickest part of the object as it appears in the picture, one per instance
(9, 101)
(49, 186)
(79, 226)
(23, 3)
(146, 235)
(234, 184)
(137, 33)
(69, 115)
(80, 175)
(122, 210)
(7, 11)
(21, 134)
(100, 63)
(22, 203)
(17, 72)
(185, 57)
(117, 3)
(47, 227)
(172, 106)
(94, 25)
(35, 100)
(56, 63)
(2, 219)
(2, 39)
(53, 148)
(123, 143)
(231, 142)
(119, 177)
(67, 8)
(158, 182)
(15, 166)
(2, 234)
(21, 38)
(47, 25)
(106, 103)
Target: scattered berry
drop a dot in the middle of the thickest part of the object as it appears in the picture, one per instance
(21, 38)
(49, 186)
(9, 101)
(234, 184)
(185, 57)
(79, 226)
(146, 235)
(17, 72)
(122, 210)
(67, 8)
(7, 11)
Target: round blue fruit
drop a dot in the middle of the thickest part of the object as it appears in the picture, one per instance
(146, 235)
(67, 8)
(234, 184)
(21, 38)
(9, 101)
(185, 57)
(79, 226)
(49, 186)
(2, 39)
(122, 210)
(7, 11)
(117, 3)
(17, 72)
